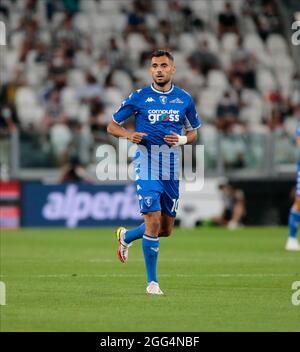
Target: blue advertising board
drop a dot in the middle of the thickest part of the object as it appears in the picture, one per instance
(78, 205)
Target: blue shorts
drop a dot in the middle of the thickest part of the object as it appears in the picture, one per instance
(157, 195)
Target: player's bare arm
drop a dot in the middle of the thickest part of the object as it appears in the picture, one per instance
(118, 131)
(174, 138)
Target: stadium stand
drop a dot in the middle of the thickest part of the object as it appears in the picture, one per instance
(69, 64)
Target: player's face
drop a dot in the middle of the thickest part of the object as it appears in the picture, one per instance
(162, 69)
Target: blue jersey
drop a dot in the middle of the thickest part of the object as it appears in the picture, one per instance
(159, 113)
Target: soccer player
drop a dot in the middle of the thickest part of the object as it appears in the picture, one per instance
(161, 110)
(292, 243)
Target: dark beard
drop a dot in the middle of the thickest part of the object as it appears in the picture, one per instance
(162, 84)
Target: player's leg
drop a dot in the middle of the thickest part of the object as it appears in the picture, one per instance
(150, 244)
(126, 237)
(137, 233)
(294, 221)
(166, 225)
(134, 234)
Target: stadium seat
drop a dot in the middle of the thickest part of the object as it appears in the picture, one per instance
(82, 23)
(290, 125)
(35, 75)
(90, 6)
(253, 43)
(113, 96)
(143, 77)
(11, 63)
(249, 25)
(264, 59)
(265, 81)
(136, 44)
(237, 6)
(28, 109)
(122, 80)
(101, 23)
(76, 78)
(161, 8)
(16, 40)
(276, 44)
(69, 101)
(111, 7)
(82, 114)
(229, 41)
(186, 42)
(14, 20)
(283, 62)
(217, 79)
(226, 59)
(25, 96)
(57, 19)
(213, 42)
(208, 100)
(202, 9)
(60, 137)
(217, 6)
(109, 111)
(208, 137)
(152, 22)
(251, 114)
(119, 22)
(252, 98)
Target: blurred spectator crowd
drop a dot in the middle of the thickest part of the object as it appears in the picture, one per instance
(69, 64)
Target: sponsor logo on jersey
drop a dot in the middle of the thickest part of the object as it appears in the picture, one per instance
(149, 100)
(163, 99)
(163, 116)
(176, 101)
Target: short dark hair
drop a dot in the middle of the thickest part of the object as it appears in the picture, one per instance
(159, 53)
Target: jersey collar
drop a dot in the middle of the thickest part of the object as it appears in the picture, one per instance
(160, 92)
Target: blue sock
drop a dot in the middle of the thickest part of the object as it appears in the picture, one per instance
(150, 249)
(294, 220)
(135, 233)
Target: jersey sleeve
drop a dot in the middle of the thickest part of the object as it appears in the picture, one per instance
(127, 109)
(192, 120)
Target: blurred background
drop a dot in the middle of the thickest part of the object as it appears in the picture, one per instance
(68, 64)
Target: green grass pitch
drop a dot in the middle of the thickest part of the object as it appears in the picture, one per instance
(213, 279)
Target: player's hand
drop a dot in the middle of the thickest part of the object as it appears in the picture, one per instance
(172, 138)
(136, 137)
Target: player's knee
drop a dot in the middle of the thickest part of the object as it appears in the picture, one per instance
(153, 225)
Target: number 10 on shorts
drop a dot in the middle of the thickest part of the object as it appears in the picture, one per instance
(175, 205)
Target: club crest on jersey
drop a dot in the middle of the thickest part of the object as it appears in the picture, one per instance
(148, 201)
(163, 99)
